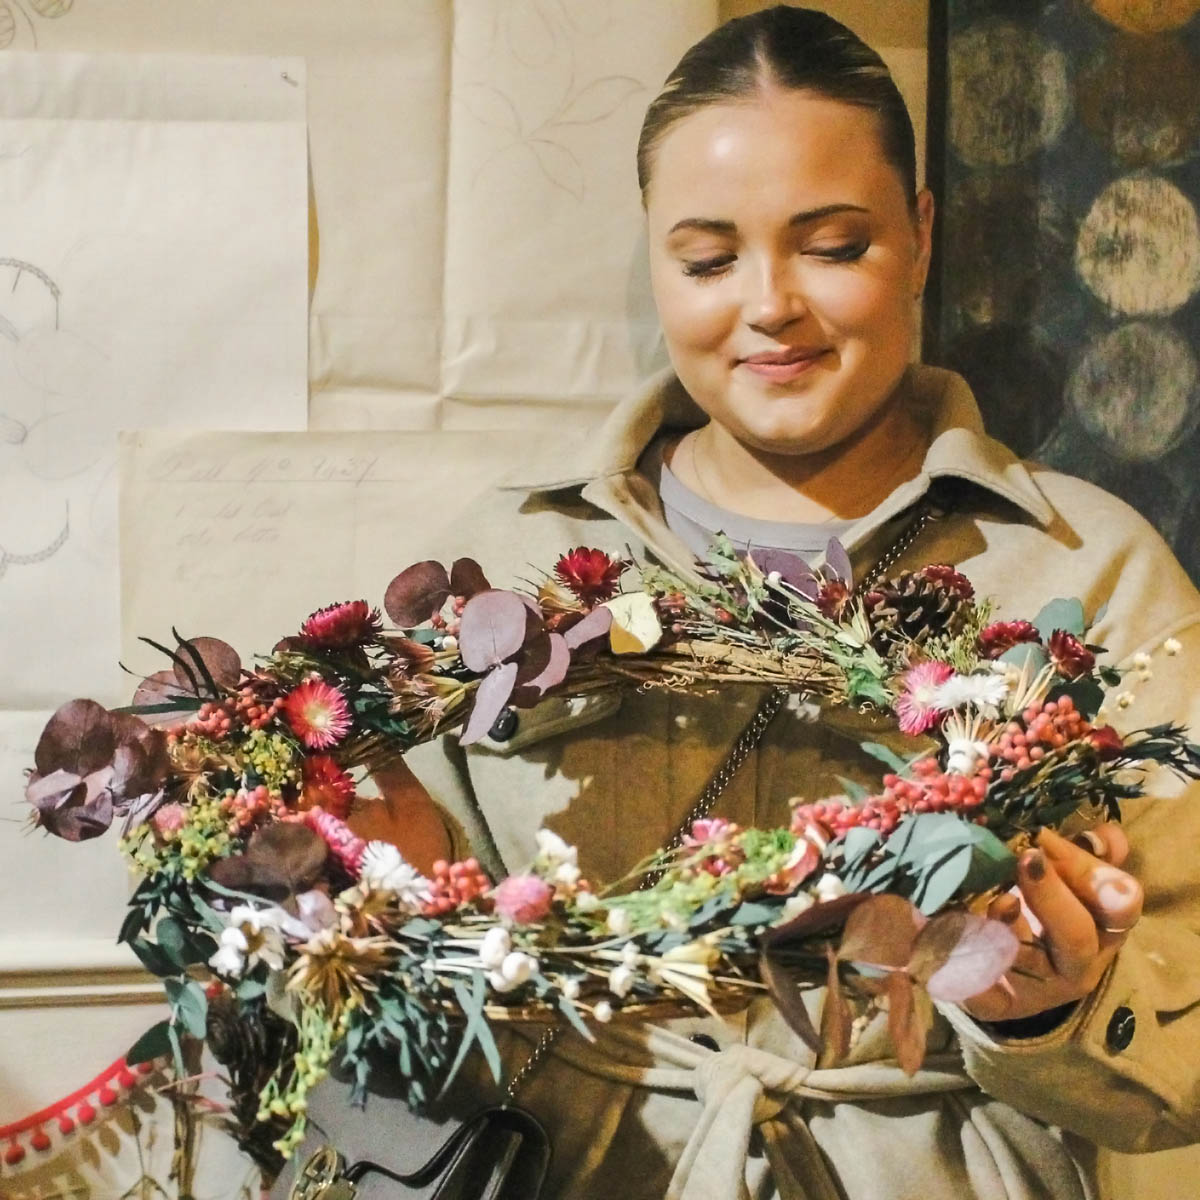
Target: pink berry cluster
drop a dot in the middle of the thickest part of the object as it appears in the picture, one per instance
(931, 790)
(215, 719)
(249, 807)
(1041, 728)
(452, 625)
(455, 884)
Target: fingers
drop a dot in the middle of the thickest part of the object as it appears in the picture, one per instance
(1069, 931)
(1005, 908)
(1107, 841)
(1112, 896)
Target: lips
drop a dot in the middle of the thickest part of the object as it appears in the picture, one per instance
(782, 366)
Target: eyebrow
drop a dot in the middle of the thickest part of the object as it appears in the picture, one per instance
(711, 225)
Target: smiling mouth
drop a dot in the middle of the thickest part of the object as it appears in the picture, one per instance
(783, 366)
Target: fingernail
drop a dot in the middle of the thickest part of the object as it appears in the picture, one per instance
(1005, 909)
(1093, 843)
(1034, 864)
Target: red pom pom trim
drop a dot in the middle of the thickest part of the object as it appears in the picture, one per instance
(105, 1087)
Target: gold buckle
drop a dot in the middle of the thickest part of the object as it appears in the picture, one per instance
(321, 1178)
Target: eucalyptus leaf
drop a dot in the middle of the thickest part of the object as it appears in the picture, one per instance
(154, 1043)
(1060, 614)
(493, 629)
(888, 757)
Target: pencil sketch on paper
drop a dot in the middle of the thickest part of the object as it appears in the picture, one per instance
(11, 28)
(8, 558)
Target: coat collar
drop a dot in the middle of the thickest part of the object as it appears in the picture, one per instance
(604, 464)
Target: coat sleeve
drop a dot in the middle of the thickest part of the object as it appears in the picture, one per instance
(1124, 1070)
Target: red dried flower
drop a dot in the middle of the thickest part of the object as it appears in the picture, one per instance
(948, 579)
(1004, 635)
(325, 785)
(589, 574)
(1107, 741)
(834, 598)
(318, 714)
(1071, 658)
(342, 626)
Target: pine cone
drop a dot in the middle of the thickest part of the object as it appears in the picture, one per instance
(919, 605)
(249, 1042)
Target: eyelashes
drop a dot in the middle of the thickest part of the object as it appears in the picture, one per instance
(710, 268)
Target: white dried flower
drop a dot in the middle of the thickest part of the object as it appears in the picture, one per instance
(495, 947)
(566, 874)
(449, 642)
(1142, 662)
(384, 867)
(570, 989)
(964, 756)
(253, 935)
(829, 887)
(620, 981)
(603, 1012)
(630, 955)
(986, 692)
(1125, 699)
(379, 860)
(774, 578)
(553, 849)
(586, 902)
(619, 922)
(1172, 646)
(801, 902)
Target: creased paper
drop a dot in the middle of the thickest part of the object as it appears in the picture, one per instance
(152, 273)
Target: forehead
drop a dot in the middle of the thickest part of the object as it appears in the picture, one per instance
(780, 152)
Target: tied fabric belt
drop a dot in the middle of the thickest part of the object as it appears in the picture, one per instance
(741, 1087)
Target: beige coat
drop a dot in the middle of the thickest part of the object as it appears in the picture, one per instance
(651, 1113)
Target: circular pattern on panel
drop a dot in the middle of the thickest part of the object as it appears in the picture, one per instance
(1009, 94)
(1146, 16)
(987, 215)
(1140, 99)
(1135, 389)
(1138, 249)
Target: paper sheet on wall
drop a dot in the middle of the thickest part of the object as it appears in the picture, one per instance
(242, 536)
(153, 242)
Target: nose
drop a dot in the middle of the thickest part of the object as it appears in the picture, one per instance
(773, 299)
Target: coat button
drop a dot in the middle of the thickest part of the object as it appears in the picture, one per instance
(1120, 1029)
(703, 1039)
(505, 725)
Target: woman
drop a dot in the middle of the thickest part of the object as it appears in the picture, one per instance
(789, 246)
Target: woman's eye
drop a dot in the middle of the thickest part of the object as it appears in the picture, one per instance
(707, 267)
(847, 252)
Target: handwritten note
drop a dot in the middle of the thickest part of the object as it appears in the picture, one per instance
(241, 536)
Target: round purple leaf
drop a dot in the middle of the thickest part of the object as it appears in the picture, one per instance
(416, 593)
(493, 629)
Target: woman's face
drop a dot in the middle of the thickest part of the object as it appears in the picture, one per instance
(785, 261)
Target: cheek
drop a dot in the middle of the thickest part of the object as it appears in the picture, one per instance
(857, 304)
(693, 316)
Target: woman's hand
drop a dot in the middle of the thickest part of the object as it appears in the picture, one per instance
(1072, 908)
(403, 814)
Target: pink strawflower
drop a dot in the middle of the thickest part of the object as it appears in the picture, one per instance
(318, 714)
(523, 899)
(342, 626)
(708, 830)
(344, 845)
(916, 707)
(169, 819)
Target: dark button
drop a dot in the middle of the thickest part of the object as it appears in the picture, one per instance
(1120, 1029)
(702, 1039)
(504, 726)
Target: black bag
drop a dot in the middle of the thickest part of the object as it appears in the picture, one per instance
(499, 1153)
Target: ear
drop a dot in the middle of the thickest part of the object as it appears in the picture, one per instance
(923, 227)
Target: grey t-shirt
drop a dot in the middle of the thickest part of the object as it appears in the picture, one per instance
(694, 520)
